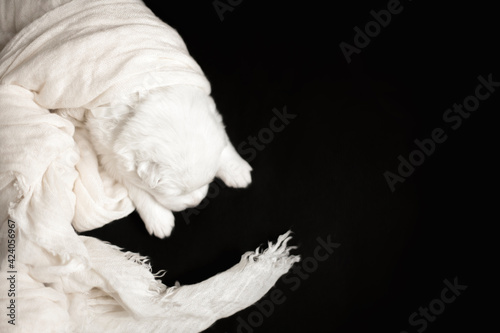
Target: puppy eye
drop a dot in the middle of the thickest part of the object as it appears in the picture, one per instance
(148, 172)
(173, 192)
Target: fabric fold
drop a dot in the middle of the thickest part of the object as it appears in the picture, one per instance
(76, 58)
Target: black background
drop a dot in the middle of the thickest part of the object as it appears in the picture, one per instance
(323, 175)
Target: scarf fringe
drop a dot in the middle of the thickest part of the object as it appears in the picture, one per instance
(193, 308)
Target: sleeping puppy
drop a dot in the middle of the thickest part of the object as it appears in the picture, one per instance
(166, 148)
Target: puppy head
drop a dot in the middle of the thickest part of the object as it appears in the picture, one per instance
(171, 145)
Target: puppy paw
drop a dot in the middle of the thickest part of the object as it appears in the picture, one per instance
(235, 172)
(158, 220)
(160, 229)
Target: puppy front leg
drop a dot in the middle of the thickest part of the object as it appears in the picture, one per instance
(159, 220)
(234, 170)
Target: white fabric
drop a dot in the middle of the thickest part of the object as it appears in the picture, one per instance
(78, 56)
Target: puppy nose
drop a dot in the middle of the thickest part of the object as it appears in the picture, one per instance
(200, 193)
(197, 196)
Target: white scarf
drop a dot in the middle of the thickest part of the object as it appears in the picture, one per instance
(79, 56)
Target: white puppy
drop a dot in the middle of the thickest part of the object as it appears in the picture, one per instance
(166, 148)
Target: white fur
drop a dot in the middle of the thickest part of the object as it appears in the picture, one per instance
(166, 148)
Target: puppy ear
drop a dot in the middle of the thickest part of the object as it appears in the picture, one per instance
(213, 110)
(149, 172)
(126, 158)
